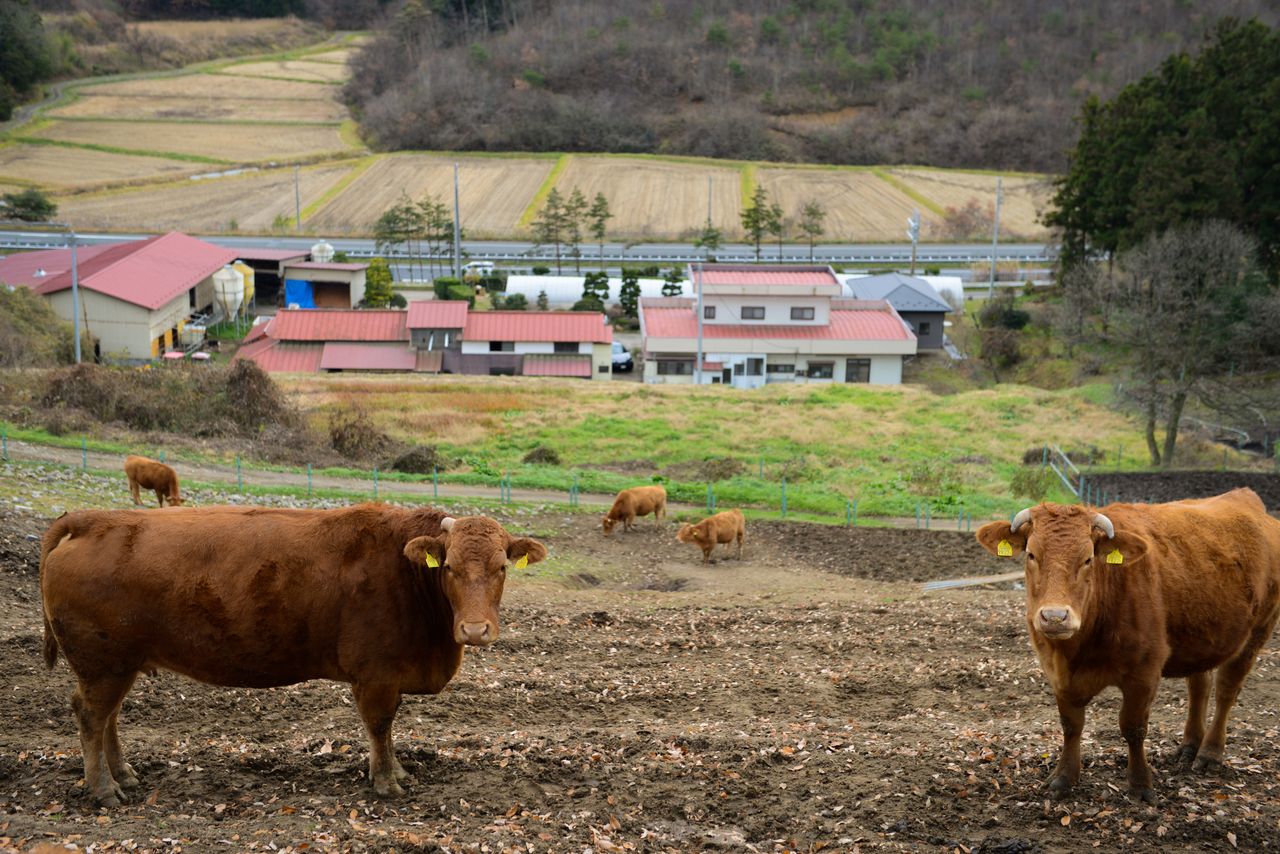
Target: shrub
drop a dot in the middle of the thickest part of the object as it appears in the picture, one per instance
(31, 334)
(421, 459)
(1002, 311)
(353, 434)
(1031, 483)
(541, 270)
(542, 455)
(515, 302)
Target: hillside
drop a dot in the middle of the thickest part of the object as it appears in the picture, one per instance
(980, 85)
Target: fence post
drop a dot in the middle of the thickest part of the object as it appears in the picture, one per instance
(162, 456)
(375, 482)
(848, 513)
(1082, 494)
(308, 480)
(1044, 456)
(84, 454)
(917, 515)
(707, 502)
(855, 513)
(784, 498)
(4, 443)
(1119, 451)
(435, 481)
(239, 477)
(928, 513)
(1224, 459)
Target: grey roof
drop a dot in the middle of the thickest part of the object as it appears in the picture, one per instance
(904, 293)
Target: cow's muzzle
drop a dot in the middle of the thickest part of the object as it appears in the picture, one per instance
(475, 634)
(1057, 623)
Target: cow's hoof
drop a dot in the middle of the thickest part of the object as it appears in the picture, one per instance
(388, 788)
(1058, 787)
(1206, 762)
(127, 778)
(1187, 753)
(399, 774)
(112, 796)
(1143, 795)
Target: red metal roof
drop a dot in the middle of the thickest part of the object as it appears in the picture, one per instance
(253, 253)
(537, 326)
(351, 356)
(538, 365)
(880, 324)
(735, 275)
(349, 267)
(20, 270)
(281, 356)
(438, 314)
(150, 272)
(338, 324)
(255, 332)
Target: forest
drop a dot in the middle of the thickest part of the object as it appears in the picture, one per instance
(974, 84)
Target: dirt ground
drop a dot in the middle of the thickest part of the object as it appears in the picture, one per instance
(807, 697)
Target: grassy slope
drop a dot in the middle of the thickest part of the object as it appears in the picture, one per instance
(890, 449)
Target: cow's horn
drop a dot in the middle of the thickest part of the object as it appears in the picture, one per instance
(1023, 517)
(446, 524)
(1100, 521)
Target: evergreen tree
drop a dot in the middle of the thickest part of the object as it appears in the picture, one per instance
(377, 284)
(598, 217)
(709, 240)
(757, 218)
(574, 211)
(543, 303)
(812, 217)
(671, 282)
(549, 225)
(629, 293)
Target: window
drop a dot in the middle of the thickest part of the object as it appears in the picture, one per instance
(801, 313)
(821, 370)
(738, 369)
(502, 346)
(755, 367)
(603, 369)
(924, 328)
(566, 347)
(502, 372)
(672, 367)
(709, 312)
(857, 370)
(780, 369)
(753, 312)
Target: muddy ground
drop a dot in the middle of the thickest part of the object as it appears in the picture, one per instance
(807, 697)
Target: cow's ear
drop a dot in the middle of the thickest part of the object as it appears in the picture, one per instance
(427, 552)
(999, 539)
(525, 551)
(1123, 549)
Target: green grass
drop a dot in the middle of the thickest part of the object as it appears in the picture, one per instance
(540, 197)
(916, 196)
(338, 186)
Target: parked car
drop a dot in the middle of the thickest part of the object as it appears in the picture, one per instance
(477, 268)
(621, 359)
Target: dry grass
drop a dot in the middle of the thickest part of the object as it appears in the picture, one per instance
(55, 166)
(241, 143)
(212, 86)
(655, 199)
(297, 69)
(340, 56)
(229, 28)
(202, 109)
(494, 191)
(1024, 199)
(859, 205)
(253, 201)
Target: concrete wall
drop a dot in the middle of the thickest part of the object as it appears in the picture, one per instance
(121, 328)
(933, 340)
(885, 369)
(777, 311)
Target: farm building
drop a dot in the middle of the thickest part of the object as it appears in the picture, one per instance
(435, 336)
(136, 297)
(322, 284)
(914, 299)
(564, 291)
(764, 324)
(268, 267)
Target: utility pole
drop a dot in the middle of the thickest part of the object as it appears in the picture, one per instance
(708, 201)
(995, 239)
(913, 232)
(297, 200)
(75, 290)
(457, 228)
(697, 365)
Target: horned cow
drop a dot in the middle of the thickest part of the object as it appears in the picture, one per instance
(723, 528)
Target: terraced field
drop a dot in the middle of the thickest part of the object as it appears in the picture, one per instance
(120, 154)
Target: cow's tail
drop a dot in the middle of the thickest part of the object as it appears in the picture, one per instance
(60, 528)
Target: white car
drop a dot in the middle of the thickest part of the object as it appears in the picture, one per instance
(477, 268)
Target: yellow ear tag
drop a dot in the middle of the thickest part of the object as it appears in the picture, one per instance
(431, 560)
(1114, 556)
(1004, 549)
(522, 562)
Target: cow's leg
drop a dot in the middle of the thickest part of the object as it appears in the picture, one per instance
(160, 497)
(1067, 772)
(378, 705)
(135, 492)
(1226, 688)
(121, 770)
(739, 545)
(95, 703)
(1197, 706)
(1135, 709)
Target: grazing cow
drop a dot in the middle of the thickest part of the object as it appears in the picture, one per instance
(146, 473)
(380, 597)
(633, 502)
(721, 528)
(1131, 593)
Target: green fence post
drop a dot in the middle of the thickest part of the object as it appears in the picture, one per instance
(435, 482)
(784, 498)
(308, 480)
(162, 456)
(917, 514)
(239, 477)
(1044, 456)
(848, 513)
(4, 444)
(928, 512)
(1119, 451)
(375, 482)
(84, 454)
(707, 502)
(855, 513)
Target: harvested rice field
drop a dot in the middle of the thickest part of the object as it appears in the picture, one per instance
(494, 191)
(1023, 198)
(860, 206)
(291, 69)
(212, 86)
(58, 166)
(654, 199)
(249, 202)
(234, 143)
(340, 56)
(214, 108)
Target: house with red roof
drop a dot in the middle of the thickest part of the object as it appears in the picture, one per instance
(135, 296)
(434, 336)
(761, 324)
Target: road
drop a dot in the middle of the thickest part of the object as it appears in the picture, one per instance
(897, 254)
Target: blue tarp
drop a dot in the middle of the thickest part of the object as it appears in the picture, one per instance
(298, 292)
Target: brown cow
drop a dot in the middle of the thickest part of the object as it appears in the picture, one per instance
(146, 473)
(380, 597)
(721, 528)
(1132, 593)
(633, 502)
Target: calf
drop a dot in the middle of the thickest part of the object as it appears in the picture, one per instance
(382, 598)
(1128, 594)
(146, 473)
(633, 502)
(721, 528)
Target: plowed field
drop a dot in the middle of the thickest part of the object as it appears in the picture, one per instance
(859, 205)
(1023, 199)
(236, 143)
(57, 166)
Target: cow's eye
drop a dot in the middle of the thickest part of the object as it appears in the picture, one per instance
(1031, 557)
(1088, 561)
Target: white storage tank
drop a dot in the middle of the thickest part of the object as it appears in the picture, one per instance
(228, 290)
(322, 252)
